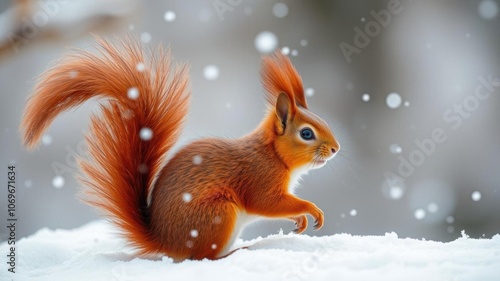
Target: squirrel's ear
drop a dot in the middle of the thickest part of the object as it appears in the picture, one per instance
(283, 111)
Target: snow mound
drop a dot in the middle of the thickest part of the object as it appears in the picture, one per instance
(94, 252)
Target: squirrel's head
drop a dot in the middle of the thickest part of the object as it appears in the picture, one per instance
(301, 138)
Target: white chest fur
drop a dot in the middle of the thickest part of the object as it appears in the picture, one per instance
(245, 219)
(242, 220)
(296, 177)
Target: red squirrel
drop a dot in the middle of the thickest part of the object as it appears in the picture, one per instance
(195, 205)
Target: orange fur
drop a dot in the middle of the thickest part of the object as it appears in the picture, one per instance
(235, 179)
(113, 179)
(279, 75)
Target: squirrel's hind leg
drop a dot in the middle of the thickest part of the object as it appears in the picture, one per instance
(216, 213)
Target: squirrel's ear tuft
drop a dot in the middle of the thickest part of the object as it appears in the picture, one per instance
(283, 111)
(278, 75)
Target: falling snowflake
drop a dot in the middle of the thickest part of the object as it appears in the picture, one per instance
(266, 42)
(133, 93)
(395, 148)
(46, 139)
(169, 16)
(58, 182)
(146, 134)
(419, 214)
(476, 195)
(140, 67)
(488, 9)
(285, 51)
(145, 37)
(211, 72)
(432, 208)
(186, 197)
(197, 160)
(393, 100)
(309, 92)
(280, 10)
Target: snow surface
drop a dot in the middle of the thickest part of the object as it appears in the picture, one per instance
(94, 252)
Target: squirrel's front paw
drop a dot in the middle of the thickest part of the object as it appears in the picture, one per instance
(319, 218)
(300, 223)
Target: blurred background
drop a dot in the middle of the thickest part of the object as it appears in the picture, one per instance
(410, 88)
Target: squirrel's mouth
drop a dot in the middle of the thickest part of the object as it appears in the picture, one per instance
(319, 162)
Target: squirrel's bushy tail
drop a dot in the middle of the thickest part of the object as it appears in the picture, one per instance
(144, 94)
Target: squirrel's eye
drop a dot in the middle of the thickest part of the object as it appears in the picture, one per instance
(307, 134)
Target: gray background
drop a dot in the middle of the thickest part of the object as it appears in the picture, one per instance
(431, 53)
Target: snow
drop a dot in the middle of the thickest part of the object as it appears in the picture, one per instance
(393, 100)
(395, 192)
(365, 97)
(285, 50)
(140, 67)
(353, 212)
(476, 195)
(450, 219)
(72, 74)
(133, 93)
(280, 10)
(28, 183)
(146, 134)
(395, 148)
(194, 233)
(58, 181)
(432, 207)
(419, 214)
(266, 42)
(46, 140)
(488, 9)
(197, 159)
(211, 72)
(309, 92)
(169, 16)
(186, 197)
(145, 37)
(94, 252)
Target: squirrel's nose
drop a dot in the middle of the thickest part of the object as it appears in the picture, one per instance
(335, 148)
